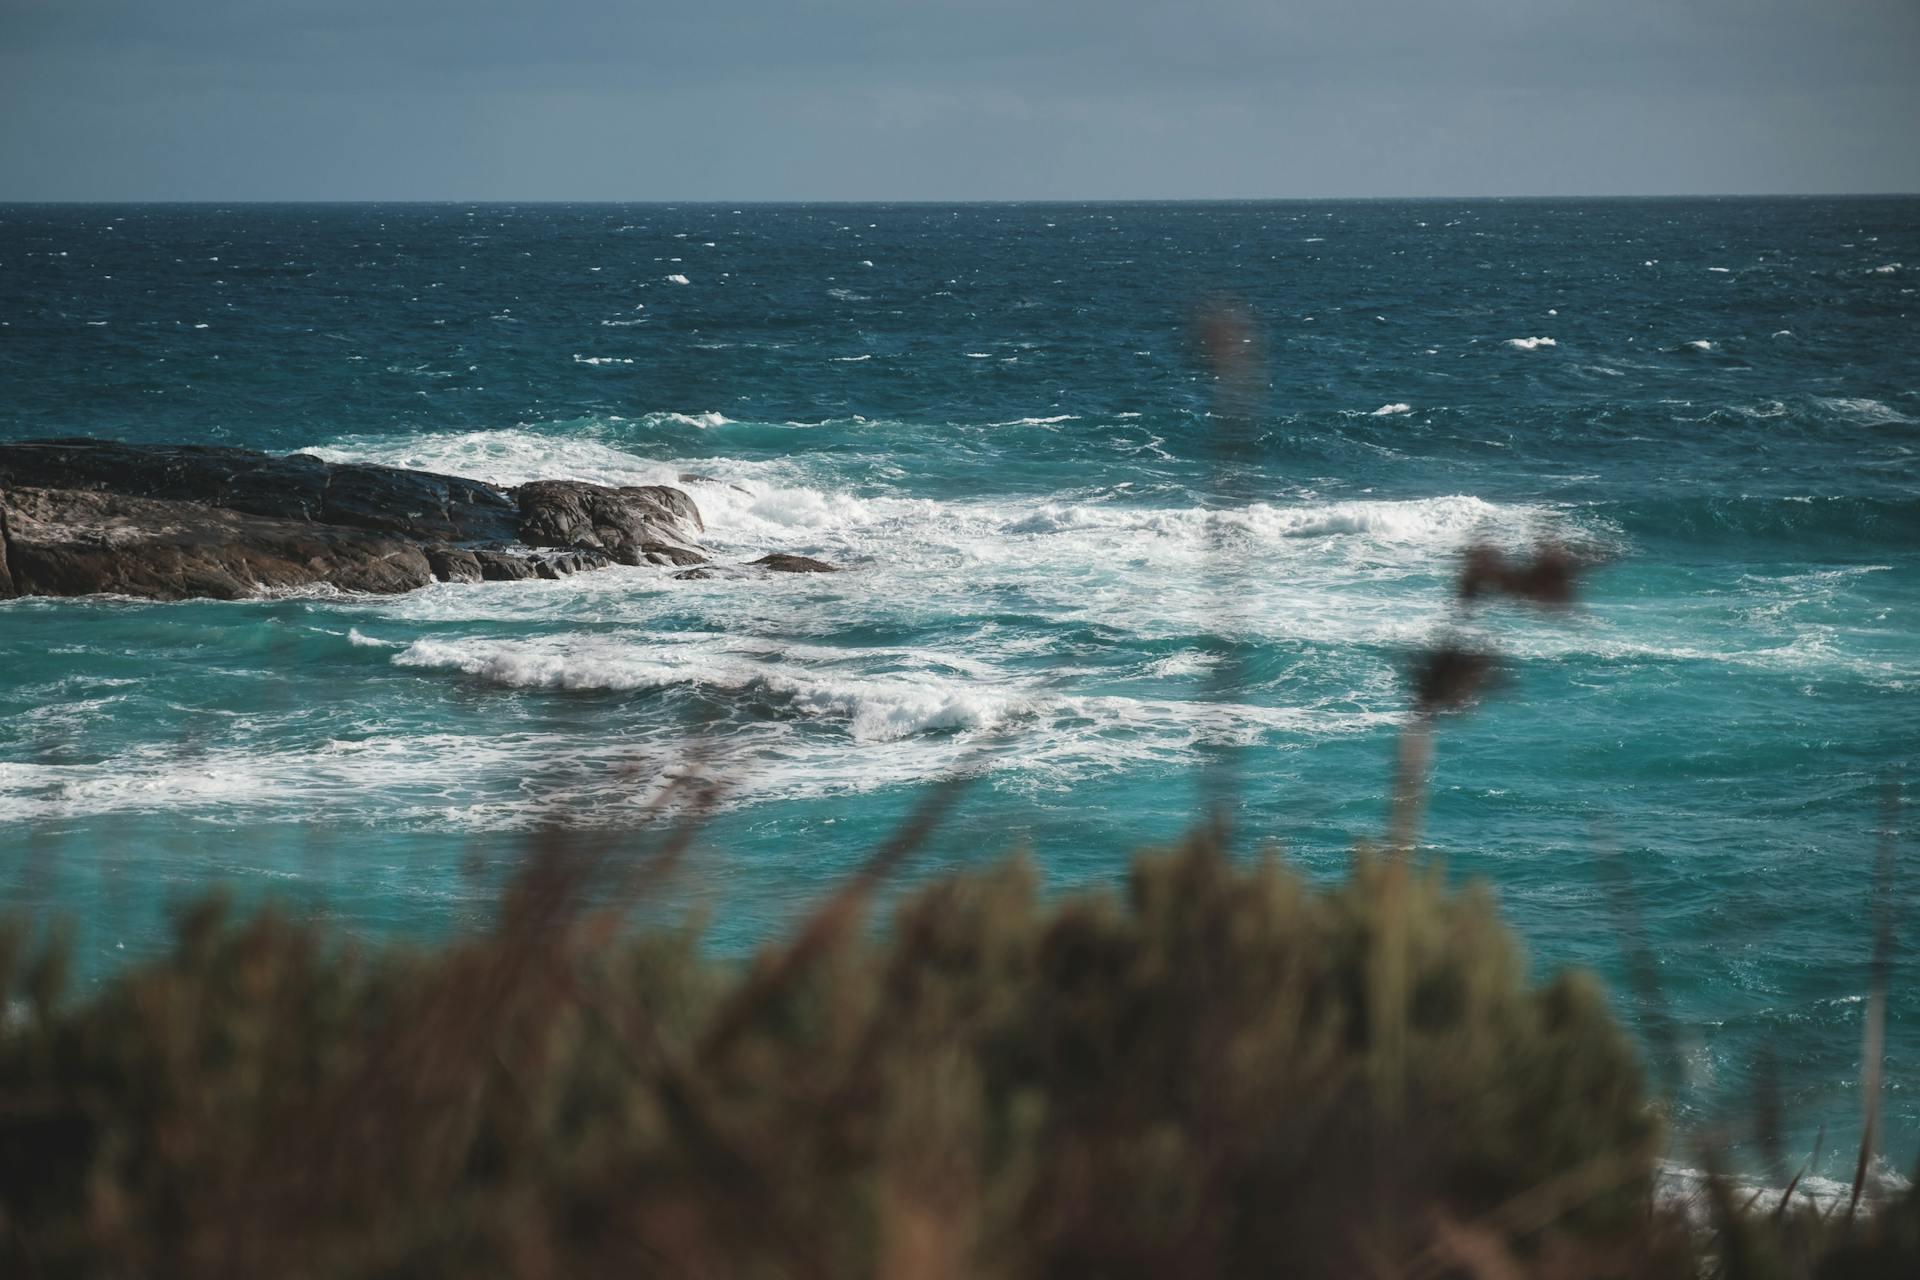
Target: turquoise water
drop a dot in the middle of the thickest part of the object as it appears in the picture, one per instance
(995, 418)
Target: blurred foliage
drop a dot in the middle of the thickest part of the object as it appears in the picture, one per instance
(1221, 1072)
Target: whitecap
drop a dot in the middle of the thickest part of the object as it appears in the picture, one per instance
(1862, 407)
(1389, 410)
(1529, 344)
(701, 420)
(677, 278)
(873, 708)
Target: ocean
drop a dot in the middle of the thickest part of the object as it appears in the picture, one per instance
(1054, 523)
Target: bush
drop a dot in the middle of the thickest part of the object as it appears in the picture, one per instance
(1209, 1077)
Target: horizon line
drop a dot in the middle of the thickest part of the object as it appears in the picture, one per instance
(1009, 200)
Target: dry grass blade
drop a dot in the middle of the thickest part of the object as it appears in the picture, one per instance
(1766, 1110)
(827, 922)
(1786, 1198)
(1643, 969)
(1538, 1207)
(1412, 759)
(1476, 1251)
(1550, 580)
(1874, 1033)
(1230, 344)
(1451, 676)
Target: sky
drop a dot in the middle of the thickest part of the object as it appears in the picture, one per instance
(943, 100)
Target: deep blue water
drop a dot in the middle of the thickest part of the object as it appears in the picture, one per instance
(996, 418)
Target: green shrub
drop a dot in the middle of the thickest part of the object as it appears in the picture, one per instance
(1224, 1072)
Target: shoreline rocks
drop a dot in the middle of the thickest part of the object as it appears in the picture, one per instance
(174, 522)
(182, 522)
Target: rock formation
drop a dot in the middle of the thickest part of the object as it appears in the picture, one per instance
(171, 522)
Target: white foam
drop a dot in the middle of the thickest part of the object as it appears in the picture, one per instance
(1424, 522)
(1530, 344)
(580, 359)
(1886, 270)
(1862, 408)
(1388, 410)
(1685, 1189)
(1700, 344)
(852, 359)
(505, 457)
(873, 708)
(786, 504)
(677, 278)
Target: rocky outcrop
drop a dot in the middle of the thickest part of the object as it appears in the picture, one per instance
(170, 522)
(71, 542)
(637, 525)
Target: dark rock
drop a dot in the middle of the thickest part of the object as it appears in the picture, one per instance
(780, 562)
(635, 525)
(559, 564)
(79, 517)
(505, 566)
(696, 477)
(453, 564)
(418, 504)
(65, 542)
(666, 553)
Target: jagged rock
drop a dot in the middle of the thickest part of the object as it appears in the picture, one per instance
(504, 566)
(780, 562)
(633, 525)
(419, 504)
(79, 517)
(454, 564)
(65, 542)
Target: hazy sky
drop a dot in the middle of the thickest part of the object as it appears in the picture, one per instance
(938, 99)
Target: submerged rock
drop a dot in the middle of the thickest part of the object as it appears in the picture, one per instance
(171, 522)
(781, 562)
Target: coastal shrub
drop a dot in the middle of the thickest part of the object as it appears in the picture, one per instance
(1214, 1073)
(1222, 1071)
